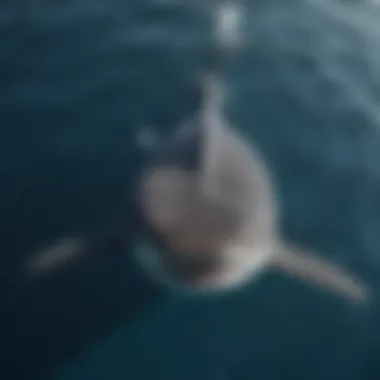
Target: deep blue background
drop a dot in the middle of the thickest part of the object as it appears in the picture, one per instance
(77, 80)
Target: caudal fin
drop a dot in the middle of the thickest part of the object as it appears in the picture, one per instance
(212, 94)
(210, 91)
(315, 270)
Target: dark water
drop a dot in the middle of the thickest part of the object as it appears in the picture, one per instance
(77, 80)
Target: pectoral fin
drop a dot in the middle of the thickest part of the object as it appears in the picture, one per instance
(315, 270)
(147, 138)
(54, 256)
(73, 249)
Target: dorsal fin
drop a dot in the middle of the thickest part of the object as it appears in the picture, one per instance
(212, 99)
(211, 122)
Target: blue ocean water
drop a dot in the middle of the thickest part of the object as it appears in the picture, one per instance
(78, 80)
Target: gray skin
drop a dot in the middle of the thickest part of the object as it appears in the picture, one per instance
(218, 218)
(201, 196)
(207, 217)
